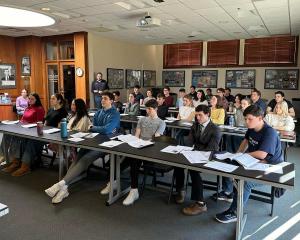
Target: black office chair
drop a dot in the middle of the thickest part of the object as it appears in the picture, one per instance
(154, 169)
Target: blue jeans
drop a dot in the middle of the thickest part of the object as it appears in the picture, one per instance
(227, 184)
(247, 192)
(97, 101)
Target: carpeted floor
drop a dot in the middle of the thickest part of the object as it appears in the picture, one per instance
(83, 215)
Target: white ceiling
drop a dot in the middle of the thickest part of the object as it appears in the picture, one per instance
(203, 19)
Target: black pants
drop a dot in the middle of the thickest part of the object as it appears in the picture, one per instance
(197, 183)
(135, 165)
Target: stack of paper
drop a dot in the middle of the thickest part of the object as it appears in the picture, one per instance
(7, 122)
(221, 166)
(196, 156)
(139, 143)
(52, 130)
(176, 149)
(110, 144)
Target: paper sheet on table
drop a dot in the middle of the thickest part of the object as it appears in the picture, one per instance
(222, 156)
(196, 156)
(75, 139)
(169, 121)
(172, 108)
(176, 149)
(91, 135)
(110, 144)
(92, 114)
(123, 114)
(139, 143)
(79, 135)
(140, 117)
(267, 168)
(29, 125)
(187, 123)
(227, 127)
(7, 122)
(171, 118)
(221, 166)
(51, 130)
(127, 138)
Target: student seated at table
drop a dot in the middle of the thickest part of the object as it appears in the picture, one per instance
(32, 114)
(179, 101)
(132, 107)
(186, 112)
(217, 114)
(221, 93)
(280, 119)
(149, 96)
(106, 121)
(279, 97)
(205, 136)
(117, 103)
(262, 142)
(208, 94)
(22, 102)
(162, 108)
(33, 148)
(193, 93)
(79, 120)
(139, 97)
(201, 99)
(256, 99)
(168, 98)
(228, 96)
(237, 101)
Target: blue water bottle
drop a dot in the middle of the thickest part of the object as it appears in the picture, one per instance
(231, 120)
(63, 128)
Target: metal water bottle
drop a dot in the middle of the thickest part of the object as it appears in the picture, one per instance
(231, 120)
(63, 128)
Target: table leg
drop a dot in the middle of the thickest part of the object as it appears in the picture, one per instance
(61, 161)
(5, 149)
(241, 218)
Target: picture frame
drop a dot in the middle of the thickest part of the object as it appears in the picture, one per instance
(133, 77)
(115, 78)
(244, 78)
(149, 78)
(25, 66)
(7, 76)
(205, 78)
(173, 78)
(283, 79)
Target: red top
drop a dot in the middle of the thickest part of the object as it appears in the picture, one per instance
(33, 114)
(169, 101)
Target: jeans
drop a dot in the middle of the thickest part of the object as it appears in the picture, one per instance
(247, 192)
(97, 101)
(33, 149)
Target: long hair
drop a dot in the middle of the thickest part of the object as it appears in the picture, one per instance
(38, 102)
(81, 111)
(60, 98)
(284, 108)
(219, 101)
(203, 97)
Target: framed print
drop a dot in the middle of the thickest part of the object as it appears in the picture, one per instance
(205, 78)
(115, 78)
(149, 78)
(133, 77)
(240, 78)
(285, 79)
(173, 78)
(25, 67)
(7, 76)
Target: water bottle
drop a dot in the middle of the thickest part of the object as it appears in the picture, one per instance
(63, 128)
(231, 120)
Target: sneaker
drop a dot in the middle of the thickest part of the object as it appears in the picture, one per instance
(180, 197)
(63, 193)
(223, 196)
(226, 217)
(132, 196)
(195, 209)
(106, 190)
(51, 191)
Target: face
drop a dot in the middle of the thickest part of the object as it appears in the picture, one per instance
(151, 112)
(199, 95)
(192, 90)
(208, 92)
(166, 92)
(254, 96)
(99, 76)
(149, 94)
(73, 107)
(220, 93)
(244, 104)
(32, 100)
(181, 94)
(278, 109)
(237, 100)
(278, 98)
(24, 93)
(213, 101)
(116, 97)
(160, 101)
(186, 102)
(53, 101)
(6, 72)
(106, 102)
(201, 117)
(252, 121)
(131, 98)
(136, 90)
(227, 93)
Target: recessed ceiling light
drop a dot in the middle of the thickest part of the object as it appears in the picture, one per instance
(124, 5)
(14, 17)
(45, 9)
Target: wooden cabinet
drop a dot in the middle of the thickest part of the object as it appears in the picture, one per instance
(6, 112)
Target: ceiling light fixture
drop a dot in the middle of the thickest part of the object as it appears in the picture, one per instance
(14, 17)
(124, 5)
(46, 9)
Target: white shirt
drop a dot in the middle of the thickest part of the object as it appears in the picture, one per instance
(185, 112)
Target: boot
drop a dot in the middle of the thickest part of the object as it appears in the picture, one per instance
(12, 167)
(24, 169)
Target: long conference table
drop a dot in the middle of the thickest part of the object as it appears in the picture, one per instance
(153, 154)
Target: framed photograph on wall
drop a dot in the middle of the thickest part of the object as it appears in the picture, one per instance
(240, 78)
(205, 78)
(115, 78)
(25, 66)
(133, 77)
(149, 78)
(173, 78)
(284, 79)
(7, 76)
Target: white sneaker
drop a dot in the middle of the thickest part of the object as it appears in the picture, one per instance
(51, 191)
(63, 193)
(106, 190)
(132, 196)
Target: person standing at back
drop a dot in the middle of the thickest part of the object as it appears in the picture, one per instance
(98, 86)
(168, 97)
